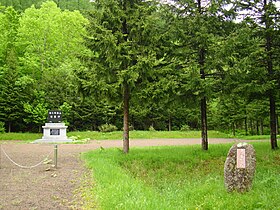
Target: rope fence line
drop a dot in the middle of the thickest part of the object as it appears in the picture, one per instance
(21, 166)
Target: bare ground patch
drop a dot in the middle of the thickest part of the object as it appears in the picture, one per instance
(45, 187)
(42, 187)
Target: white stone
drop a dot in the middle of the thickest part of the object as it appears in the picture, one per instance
(242, 144)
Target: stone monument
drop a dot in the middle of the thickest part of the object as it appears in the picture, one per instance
(54, 131)
(240, 168)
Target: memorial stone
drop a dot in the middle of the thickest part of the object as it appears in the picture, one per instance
(54, 131)
(239, 168)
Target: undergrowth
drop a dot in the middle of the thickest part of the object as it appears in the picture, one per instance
(182, 177)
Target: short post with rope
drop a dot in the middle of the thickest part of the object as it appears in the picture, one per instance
(55, 155)
(22, 166)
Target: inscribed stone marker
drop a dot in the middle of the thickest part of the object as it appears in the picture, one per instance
(240, 168)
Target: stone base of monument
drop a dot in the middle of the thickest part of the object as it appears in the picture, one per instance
(54, 133)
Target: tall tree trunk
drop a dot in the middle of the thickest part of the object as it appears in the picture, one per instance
(203, 103)
(169, 124)
(277, 123)
(251, 127)
(9, 127)
(261, 125)
(246, 126)
(125, 91)
(257, 127)
(273, 129)
(204, 142)
(233, 128)
(125, 118)
(268, 46)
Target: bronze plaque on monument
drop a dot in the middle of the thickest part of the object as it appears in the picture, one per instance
(55, 116)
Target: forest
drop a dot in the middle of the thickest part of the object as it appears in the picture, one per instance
(133, 64)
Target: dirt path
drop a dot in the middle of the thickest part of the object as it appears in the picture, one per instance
(44, 187)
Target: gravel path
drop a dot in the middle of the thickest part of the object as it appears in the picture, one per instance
(44, 186)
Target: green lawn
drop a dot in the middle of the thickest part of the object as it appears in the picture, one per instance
(116, 135)
(25, 137)
(177, 178)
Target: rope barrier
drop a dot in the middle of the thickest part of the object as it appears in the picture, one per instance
(21, 166)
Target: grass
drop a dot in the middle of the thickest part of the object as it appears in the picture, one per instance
(26, 137)
(116, 135)
(256, 137)
(182, 177)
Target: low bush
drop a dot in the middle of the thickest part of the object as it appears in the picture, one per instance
(107, 128)
(185, 128)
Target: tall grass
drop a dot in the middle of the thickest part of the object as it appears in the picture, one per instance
(182, 177)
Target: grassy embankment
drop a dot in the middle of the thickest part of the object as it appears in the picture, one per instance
(182, 177)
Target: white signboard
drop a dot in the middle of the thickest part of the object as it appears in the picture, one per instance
(241, 158)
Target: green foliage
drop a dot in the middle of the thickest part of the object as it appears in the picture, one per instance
(35, 114)
(86, 58)
(11, 96)
(123, 53)
(50, 39)
(9, 22)
(66, 110)
(63, 4)
(120, 38)
(11, 93)
(37, 111)
(107, 128)
(178, 178)
(2, 128)
(185, 128)
(38, 55)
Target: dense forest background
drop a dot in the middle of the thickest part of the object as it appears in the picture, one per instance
(166, 66)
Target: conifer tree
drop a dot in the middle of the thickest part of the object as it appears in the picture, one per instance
(200, 25)
(122, 48)
(262, 17)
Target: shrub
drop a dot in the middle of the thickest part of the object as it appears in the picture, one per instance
(107, 128)
(2, 128)
(185, 128)
(151, 128)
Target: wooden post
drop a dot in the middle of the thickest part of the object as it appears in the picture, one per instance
(55, 155)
